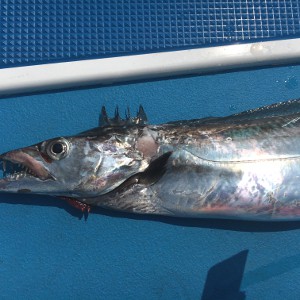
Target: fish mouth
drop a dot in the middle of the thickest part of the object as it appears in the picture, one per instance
(17, 165)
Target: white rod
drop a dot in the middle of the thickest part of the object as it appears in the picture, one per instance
(155, 65)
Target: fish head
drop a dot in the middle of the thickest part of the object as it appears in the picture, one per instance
(70, 166)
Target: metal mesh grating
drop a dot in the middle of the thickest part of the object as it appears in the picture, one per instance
(40, 31)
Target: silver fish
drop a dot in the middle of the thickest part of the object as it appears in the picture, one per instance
(244, 166)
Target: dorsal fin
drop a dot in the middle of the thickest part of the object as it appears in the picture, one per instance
(127, 114)
(281, 109)
(278, 109)
(103, 118)
(141, 116)
(105, 121)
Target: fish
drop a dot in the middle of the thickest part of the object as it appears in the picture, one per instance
(243, 166)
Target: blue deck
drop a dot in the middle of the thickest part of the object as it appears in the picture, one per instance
(47, 252)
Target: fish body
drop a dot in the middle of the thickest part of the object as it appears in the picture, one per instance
(244, 166)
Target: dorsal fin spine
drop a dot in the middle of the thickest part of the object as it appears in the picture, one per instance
(140, 119)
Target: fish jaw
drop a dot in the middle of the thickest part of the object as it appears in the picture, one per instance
(22, 170)
(26, 158)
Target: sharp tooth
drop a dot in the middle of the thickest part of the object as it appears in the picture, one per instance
(4, 165)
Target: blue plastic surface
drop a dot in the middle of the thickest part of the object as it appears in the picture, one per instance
(44, 31)
(47, 252)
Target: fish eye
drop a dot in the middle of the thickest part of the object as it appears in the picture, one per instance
(58, 149)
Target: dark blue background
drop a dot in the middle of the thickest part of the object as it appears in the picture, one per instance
(47, 251)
